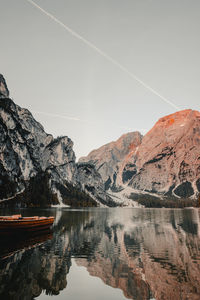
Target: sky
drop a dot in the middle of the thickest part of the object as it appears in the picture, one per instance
(85, 85)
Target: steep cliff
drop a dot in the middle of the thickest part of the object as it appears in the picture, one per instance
(168, 159)
(91, 181)
(4, 92)
(114, 160)
(35, 168)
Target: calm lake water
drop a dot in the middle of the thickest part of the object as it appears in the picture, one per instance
(110, 254)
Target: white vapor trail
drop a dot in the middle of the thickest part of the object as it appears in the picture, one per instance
(104, 54)
(57, 116)
(81, 120)
(76, 119)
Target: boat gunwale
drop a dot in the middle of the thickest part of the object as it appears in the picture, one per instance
(26, 219)
(25, 223)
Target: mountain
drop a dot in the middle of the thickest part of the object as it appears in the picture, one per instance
(4, 92)
(168, 159)
(37, 169)
(111, 159)
(92, 182)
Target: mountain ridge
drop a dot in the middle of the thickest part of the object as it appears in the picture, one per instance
(168, 160)
(109, 157)
(165, 161)
(35, 168)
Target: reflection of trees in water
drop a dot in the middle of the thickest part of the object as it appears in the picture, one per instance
(41, 268)
(27, 273)
(136, 250)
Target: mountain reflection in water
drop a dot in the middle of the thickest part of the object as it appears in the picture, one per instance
(147, 253)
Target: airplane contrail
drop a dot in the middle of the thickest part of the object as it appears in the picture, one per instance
(103, 54)
(57, 115)
(80, 120)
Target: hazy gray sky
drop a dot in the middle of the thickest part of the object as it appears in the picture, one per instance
(72, 90)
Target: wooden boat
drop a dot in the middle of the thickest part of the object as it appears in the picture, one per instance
(18, 223)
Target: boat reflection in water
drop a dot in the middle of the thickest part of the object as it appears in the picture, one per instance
(146, 253)
(11, 244)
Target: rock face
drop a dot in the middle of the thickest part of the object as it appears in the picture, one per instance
(35, 168)
(26, 152)
(113, 160)
(92, 182)
(165, 161)
(168, 159)
(4, 92)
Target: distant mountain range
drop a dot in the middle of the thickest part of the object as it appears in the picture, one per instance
(39, 170)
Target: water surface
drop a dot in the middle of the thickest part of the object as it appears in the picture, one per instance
(112, 254)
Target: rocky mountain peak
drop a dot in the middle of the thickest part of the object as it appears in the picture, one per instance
(110, 158)
(177, 118)
(165, 161)
(37, 169)
(168, 160)
(4, 92)
(167, 132)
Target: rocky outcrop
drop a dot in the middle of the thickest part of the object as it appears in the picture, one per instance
(27, 152)
(168, 160)
(114, 160)
(165, 161)
(92, 182)
(4, 92)
(35, 168)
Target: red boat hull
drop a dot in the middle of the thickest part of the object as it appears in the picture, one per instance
(25, 224)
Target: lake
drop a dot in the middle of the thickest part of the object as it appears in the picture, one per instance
(99, 253)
